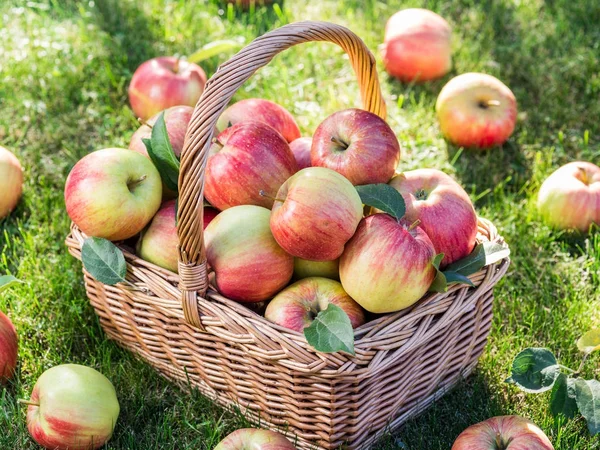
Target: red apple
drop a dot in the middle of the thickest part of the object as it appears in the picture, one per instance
(387, 265)
(444, 209)
(158, 242)
(113, 193)
(8, 348)
(247, 159)
(260, 110)
(72, 407)
(476, 110)
(297, 305)
(503, 433)
(248, 263)
(417, 45)
(301, 149)
(11, 182)
(570, 197)
(304, 268)
(162, 82)
(358, 144)
(317, 211)
(209, 214)
(254, 439)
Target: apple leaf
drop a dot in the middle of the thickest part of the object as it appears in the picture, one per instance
(162, 155)
(481, 256)
(455, 277)
(590, 341)
(331, 331)
(212, 49)
(103, 260)
(7, 281)
(587, 393)
(440, 284)
(495, 252)
(534, 370)
(562, 400)
(383, 197)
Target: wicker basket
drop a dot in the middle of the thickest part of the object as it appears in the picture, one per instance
(189, 333)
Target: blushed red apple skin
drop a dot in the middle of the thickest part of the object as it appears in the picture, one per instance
(209, 214)
(163, 82)
(253, 158)
(264, 111)
(11, 182)
(372, 152)
(417, 45)
(158, 242)
(9, 348)
(301, 149)
(570, 197)
(446, 213)
(255, 439)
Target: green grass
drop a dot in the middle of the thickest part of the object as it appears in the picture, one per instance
(64, 71)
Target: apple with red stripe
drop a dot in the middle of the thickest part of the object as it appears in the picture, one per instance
(301, 149)
(255, 439)
(8, 348)
(11, 182)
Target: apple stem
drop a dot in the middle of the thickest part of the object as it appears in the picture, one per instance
(493, 103)
(27, 402)
(176, 65)
(133, 184)
(218, 142)
(499, 444)
(265, 195)
(415, 224)
(339, 142)
(143, 122)
(584, 175)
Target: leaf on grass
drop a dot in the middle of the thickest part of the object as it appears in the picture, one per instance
(7, 281)
(587, 393)
(383, 197)
(589, 342)
(162, 155)
(562, 399)
(331, 331)
(534, 370)
(213, 48)
(103, 260)
(440, 284)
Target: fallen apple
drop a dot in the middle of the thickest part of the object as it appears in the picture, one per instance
(8, 348)
(255, 439)
(304, 268)
(11, 182)
(301, 149)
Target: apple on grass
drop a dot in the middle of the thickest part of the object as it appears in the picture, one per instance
(476, 110)
(301, 149)
(8, 348)
(255, 439)
(72, 407)
(358, 144)
(113, 193)
(570, 197)
(417, 45)
(304, 268)
(11, 182)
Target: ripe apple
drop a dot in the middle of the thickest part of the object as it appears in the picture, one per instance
(503, 433)
(11, 182)
(304, 268)
(301, 149)
(387, 265)
(476, 110)
(444, 209)
(358, 144)
(209, 214)
(113, 193)
(8, 348)
(162, 82)
(251, 438)
(298, 305)
(316, 212)
(417, 45)
(570, 197)
(248, 263)
(260, 110)
(72, 407)
(158, 242)
(246, 159)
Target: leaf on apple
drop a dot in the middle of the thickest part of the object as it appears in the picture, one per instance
(103, 260)
(7, 281)
(440, 284)
(212, 49)
(562, 400)
(587, 393)
(458, 278)
(331, 331)
(534, 370)
(481, 256)
(590, 341)
(384, 197)
(162, 155)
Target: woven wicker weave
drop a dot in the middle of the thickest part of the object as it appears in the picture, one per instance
(188, 332)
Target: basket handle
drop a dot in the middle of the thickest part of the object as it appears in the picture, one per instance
(217, 94)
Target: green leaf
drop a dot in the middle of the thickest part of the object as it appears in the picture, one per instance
(103, 260)
(589, 342)
(562, 400)
(7, 281)
(213, 48)
(162, 155)
(331, 331)
(587, 393)
(383, 197)
(470, 264)
(495, 252)
(534, 370)
(455, 277)
(440, 284)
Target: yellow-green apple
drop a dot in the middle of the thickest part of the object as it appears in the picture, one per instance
(260, 110)
(248, 263)
(255, 439)
(388, 264)
(72, 407)
(316, 213)
(444, 209)
(476, 110)
(301, 149)
(503, 433)
(158, 242)
(570, 197)
(11, 182)
(8, 348)
(358, 144)
(162, 82)
(304, 268)
(245, 160)
(298, 305)
(113, 193)
(417, 45)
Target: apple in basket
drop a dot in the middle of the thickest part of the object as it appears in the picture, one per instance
(358, 144)
(417, 45)
(444, 209)
(301, 149)
(304, 268)
(503, 433)
(8, 348)
(388, 264)
(476, 110)
(162, 82)
(316, 213)
(260, 110)
(72, 407)
(113, 193)
(255, 439)
(11, 182)
(244, 160)
(248, 263)
(297, 305)
(570, 197)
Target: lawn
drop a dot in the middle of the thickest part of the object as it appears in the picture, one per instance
(64, 70)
